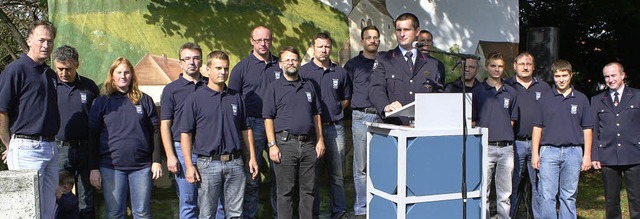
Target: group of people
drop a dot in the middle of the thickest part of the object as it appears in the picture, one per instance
(214, 134)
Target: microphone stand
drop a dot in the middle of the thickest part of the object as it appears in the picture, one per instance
(463, 59)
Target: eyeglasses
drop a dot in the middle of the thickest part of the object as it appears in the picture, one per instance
(290, 61)
(261, 40)
(188, 59)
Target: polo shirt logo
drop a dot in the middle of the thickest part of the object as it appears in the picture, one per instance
(308, 96)
(538, 94)
(375, 64)
(277, 74)
(139, 109)
(505, 103)
(574, 109)
(83, 97)
(335, 83)
(234, 108)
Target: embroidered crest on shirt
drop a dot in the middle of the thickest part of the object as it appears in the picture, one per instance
(277, 74)
(574, 109)
(375, 64)
(83, 97)
(139, 109)
(234, 108)
(308, 96)
(505, 103)
(335, 83)
(538, 94)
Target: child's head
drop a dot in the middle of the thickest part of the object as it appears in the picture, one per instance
(66, 181)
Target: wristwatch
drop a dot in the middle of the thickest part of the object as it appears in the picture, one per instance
(271, 144)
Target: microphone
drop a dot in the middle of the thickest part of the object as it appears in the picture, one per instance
(417, 44)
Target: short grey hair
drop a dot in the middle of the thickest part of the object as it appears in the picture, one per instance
(65, 53)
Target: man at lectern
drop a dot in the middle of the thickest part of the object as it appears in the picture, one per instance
(494, 108)
(400, 73)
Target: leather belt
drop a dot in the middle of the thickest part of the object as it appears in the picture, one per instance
(330, 123)
(371, 110)
(286, 136)
(223, 157)
(501, 143)
(71, 143)
(523, 138)
(35, 137)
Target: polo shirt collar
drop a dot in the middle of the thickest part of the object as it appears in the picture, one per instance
(214, 93)
(77, 81)
(256, 60)
(31, 63)
(554, 91)
(487, 86)
(185, 82)
(332, 66)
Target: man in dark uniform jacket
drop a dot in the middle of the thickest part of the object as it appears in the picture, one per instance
(75, 96)
(615, 140)
(400, 73)
(470, 80)
(425, 37)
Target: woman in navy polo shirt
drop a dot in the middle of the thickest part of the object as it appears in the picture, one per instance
(124, 142)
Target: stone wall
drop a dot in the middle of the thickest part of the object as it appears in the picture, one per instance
(19, 196)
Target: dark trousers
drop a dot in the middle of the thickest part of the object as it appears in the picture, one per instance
(297, 163)
(612, 176)
(75, 160)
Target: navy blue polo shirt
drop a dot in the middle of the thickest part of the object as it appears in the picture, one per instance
(563, 119)
(495, 109)
(126, 130)
(251, 77)
(359, 70)
(292, 105)
(217, 118)
(172, 97)
(28, 95)
(74, 103)
(527, 104)
(332, 84)
(456, 86)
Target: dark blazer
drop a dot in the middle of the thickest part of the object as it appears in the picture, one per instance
(392, 81)
(616, 134)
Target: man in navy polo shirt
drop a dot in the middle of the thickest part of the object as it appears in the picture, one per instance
(190, 55)
(75, 96)
(216, 114)
(529, 90)
(425, 37)
(359, 70)
(250, 77)
(294, 129)
(494, 107)
(400, 73)
(560, 130)
(334, 88)
(29, 117)
(615, 140)
(469, 77)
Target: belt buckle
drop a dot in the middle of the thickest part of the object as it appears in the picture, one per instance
(225, 157)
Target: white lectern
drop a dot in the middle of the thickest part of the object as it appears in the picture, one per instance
(416, 172)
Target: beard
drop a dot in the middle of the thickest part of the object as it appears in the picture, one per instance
(292, 71)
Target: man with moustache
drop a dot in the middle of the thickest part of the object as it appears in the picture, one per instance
(75, 96)
(470, 80)
(294, 129)
(529, 90)
(29, 117)
(615, 140)
(359, 70)
(400, 73)
(334, 88)
(562, 127)
(190, 80)
(426, 38)
(215, 114)
(250, 77)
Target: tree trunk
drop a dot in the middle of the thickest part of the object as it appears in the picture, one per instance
(16, 34)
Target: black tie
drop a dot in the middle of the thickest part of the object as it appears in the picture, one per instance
(409, 54)
(616, 100)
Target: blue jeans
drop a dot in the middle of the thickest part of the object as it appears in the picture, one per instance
(117, 183)
(297, 166)
(523, 153)
(563, 163)
(334, 142)
(251, 194)
(42, 156)
(187, 192)
(359, 133)
(501, 163)
(220, 178)
(74, 160)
